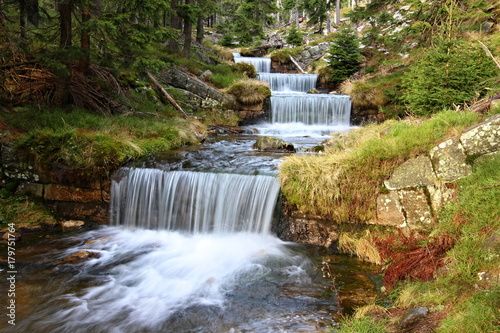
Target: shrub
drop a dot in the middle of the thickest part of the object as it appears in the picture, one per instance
(448, 73)
(294, 37)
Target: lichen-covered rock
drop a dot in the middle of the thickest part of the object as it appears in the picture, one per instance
(389, 210)
(15, 169)
(483, 138)
(418, 214)
(416, 172)
(269, 143)
(439, 194)
(449, 161)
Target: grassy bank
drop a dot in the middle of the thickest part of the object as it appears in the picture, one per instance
(341, 184)
(91, 145)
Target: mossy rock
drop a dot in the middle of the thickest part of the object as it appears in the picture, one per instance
(269, 143)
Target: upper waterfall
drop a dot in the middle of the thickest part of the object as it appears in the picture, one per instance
(262, 65)
(279, 82)
(197, 202)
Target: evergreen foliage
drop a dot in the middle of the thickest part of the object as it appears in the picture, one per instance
(294, 37)
(450, 72)
(345, 56)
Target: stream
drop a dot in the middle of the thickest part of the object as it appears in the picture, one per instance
(189, 247)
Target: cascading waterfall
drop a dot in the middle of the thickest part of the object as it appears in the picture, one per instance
(197, 202)
(262, 65)
(311, 109)
(289, 82)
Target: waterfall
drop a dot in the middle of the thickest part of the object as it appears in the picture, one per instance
(289, 82)
(197, 202)
(262, 65)
(311, 109)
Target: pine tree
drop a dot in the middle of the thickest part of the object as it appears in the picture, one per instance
(345, 56)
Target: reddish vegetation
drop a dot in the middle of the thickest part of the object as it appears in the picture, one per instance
(409, 259)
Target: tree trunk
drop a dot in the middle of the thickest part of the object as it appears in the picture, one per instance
(176, 23)
(199, 30)
(22, 19)
(337, 12)
(84, 63)
(188, 30)
(62, 89)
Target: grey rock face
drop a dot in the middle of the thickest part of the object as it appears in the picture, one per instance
(483, 138)
(450, 161)
(413, 173)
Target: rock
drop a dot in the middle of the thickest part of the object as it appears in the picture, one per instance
(71, 224)
(439, 194)
(68, 193)
(413, 314)
(449, 161)
(206, 74)
(389, 210)
(416, 172)
(483, 138)
(179, 79)
(308, 231)
(269, 143)
(418, 214)
(78, 257)
(29, 188)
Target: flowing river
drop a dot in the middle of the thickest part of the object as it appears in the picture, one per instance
(190, 246)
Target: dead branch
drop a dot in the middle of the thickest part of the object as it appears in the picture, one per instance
(297, 64)
(167, 95)
(488, 52)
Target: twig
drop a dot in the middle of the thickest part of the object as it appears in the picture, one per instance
(327, 272)
(488, 52)
(167, 95)
(487, 187)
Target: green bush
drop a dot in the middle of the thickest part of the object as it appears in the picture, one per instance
(345, 56)
(450, 72)
(294, 37)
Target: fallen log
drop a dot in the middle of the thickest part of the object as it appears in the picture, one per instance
(167, 95)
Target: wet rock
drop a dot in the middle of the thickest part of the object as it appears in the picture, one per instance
(483, 138)
(77, 257)
(413, 314)
(308, 231)
(449, 161)
(269, 143)
(71, 224)
(415, 172)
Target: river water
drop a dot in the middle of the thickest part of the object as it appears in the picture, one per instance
(190, 249)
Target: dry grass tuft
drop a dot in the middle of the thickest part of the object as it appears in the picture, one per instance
(363, 247)
(363, 95)
(249, 91)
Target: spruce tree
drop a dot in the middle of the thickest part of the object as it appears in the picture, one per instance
(345, 56)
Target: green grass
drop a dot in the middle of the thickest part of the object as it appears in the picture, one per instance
(85, 144)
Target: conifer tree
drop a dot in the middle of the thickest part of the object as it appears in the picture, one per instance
(345, 56)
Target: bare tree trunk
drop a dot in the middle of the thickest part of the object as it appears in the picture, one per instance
(199, 30)
(337, 12)
(84, 63)
(176, 23)
(62, 89)
(188, 30)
